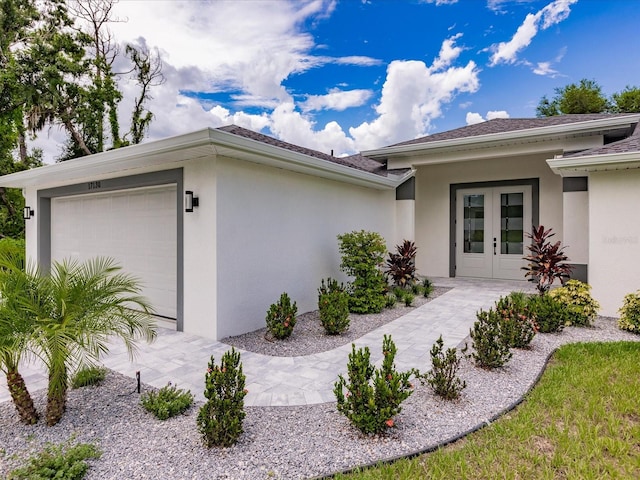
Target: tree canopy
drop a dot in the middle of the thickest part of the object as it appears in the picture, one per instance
(57, 69)
(587, 97)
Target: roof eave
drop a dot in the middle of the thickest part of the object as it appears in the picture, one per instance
(511, 136)
(593, 163)
(195, 145)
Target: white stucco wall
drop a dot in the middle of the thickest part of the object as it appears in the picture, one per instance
(614, 244)
(276, 232)
(199, 235)
(433, 201)
(575, 220)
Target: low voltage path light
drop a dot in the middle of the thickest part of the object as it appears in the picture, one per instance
(190, 201)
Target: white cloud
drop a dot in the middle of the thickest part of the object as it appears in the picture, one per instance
(291, 126)
(413, 95)
(491, 114)
(336, 99)
(472, 117)
(553, 13)
(544, 68)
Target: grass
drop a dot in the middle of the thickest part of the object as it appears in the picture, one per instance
(582, 421)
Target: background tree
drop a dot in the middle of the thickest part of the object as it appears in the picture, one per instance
(584, 97)
(627, 101)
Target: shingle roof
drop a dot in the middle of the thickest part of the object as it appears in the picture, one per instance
(357, 161)
(502, 125)
(629, 144)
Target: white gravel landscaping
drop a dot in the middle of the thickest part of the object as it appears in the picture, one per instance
(278, 442)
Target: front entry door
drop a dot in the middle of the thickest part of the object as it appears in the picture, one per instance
(490, 231)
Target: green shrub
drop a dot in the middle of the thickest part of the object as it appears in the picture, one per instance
(333, 306)
(220, 418)
(630, 313)
(90, 375)
(550, 314)
(390, 300)
(373, 395)
(61, 461)
(518, 324)
(281, 317)
(443, 376)
(362, 256)
(167, 402)
(491, 347)
(427, 287)
(577, 296)
(401, 266)
(417, 289)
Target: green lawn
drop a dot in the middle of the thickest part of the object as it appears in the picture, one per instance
(582, 421)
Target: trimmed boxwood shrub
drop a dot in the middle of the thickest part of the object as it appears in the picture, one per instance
(333, 306)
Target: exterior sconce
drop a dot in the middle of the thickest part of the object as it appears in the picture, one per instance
(27, 213)
(190, 201)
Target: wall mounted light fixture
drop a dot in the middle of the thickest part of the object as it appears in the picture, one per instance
(27, 213)
(190, 201)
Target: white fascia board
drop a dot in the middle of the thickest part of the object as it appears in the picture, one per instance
(593, 163)
(513, 136)
(190, 146)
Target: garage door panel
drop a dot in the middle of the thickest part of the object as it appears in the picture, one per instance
(136, 227)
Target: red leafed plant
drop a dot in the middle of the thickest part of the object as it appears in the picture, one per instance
(546, 260)
(402, 265)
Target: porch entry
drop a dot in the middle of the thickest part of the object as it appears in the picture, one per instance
(490, 231)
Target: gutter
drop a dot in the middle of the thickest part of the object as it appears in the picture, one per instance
(591, 163)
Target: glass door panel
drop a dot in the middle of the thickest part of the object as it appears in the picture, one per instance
(511, 223)
(474, 224)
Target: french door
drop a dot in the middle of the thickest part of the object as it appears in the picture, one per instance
(490, 231)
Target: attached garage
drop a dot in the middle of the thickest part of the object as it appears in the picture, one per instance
(136, 227)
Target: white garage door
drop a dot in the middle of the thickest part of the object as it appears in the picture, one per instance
(136, 227)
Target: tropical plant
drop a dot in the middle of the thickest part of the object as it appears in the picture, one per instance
(576, 295)
(490, 345)
(333, 306)
(546, 261)
(77, 308)
(281, 317)
(401, 266)
(373, 395)
(362, 256)
(167, 402)
(630, 313)
(517, 321)
(443, 376)
(220, 418)
(16, 325)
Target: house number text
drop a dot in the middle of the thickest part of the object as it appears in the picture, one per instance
(93, 185)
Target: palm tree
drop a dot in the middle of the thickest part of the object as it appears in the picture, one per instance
(76, 308)
(15, 326)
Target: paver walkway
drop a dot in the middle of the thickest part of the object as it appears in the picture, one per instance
(182, 358)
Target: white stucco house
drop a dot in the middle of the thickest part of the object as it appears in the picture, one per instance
(219, 222)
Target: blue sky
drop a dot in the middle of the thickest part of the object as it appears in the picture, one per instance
(353, 75)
